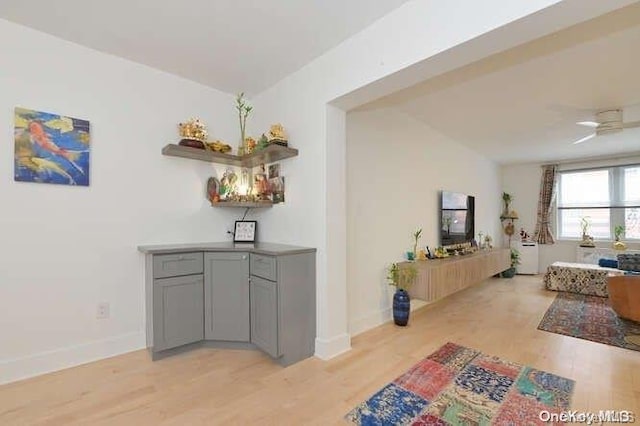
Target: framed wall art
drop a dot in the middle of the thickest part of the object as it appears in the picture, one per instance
(51, 148)
(245, 231)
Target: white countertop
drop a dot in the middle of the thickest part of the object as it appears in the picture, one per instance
(258, 247)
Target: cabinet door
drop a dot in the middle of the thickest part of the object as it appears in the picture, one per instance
(528, 258)
(177, 311)
(226, 297)
(264, 315)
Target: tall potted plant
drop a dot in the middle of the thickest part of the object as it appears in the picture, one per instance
(244, 109)
(401, 277)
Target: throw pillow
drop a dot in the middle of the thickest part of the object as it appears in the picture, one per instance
(608, 263)
(629, 262)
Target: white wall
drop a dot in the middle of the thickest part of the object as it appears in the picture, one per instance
(396, 167)
(522, 181)
(65, 249)
(402, 48)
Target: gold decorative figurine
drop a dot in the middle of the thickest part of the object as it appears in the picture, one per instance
(193, 133)
(277, 135)
(218, 146)
(249, 145)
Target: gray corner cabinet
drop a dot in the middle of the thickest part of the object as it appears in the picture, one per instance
(231, 296)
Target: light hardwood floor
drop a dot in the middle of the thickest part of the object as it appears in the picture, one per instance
(208, 386)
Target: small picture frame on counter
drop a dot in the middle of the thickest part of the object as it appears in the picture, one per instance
(245, 231)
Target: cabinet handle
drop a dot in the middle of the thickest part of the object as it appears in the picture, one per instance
(180, 257)
(244, 257)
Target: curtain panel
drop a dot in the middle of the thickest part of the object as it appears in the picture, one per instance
(548, 186)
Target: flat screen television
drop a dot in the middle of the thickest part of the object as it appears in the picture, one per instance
(457, 217)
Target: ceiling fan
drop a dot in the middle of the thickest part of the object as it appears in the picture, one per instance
(606, 122)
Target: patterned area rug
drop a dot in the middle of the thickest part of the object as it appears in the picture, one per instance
(590, 318)
(456, 385)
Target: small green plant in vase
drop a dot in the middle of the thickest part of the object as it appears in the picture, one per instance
(515, 261)
(618, 230)
(585, 224)
(515, 258)
(506, 198)
(416, 237)
(401, 277)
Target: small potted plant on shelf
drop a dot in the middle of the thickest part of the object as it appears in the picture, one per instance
(506, 198)
(618, 230)
(243, 108)
(401, 277)
(587, 240)
(416, 237)
(515, 261)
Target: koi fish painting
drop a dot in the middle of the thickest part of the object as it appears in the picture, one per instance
(51, 148)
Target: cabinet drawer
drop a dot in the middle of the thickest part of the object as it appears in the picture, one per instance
(263, 266)
(173, 265)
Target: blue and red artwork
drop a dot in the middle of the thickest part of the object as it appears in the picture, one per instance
(51, 148)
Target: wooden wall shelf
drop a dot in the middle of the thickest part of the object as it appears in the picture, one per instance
(270, 154)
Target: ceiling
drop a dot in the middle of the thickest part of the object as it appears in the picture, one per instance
(234, 46)
(522, 105)
(517, 106)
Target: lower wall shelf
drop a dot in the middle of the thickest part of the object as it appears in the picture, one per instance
(270, 154)
(245, 204)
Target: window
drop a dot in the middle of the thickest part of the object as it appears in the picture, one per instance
(607, 196)
(631, 198)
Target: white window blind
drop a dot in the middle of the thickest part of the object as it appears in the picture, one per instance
(606, 196)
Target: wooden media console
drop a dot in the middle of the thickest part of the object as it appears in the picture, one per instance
(439, 278)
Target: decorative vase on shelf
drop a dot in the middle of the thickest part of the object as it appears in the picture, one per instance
(243, 108)
(401, 307)
(618, 230)
(587, 241)
(619, 245)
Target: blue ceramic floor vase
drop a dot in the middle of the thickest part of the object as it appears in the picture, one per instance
(401, 307)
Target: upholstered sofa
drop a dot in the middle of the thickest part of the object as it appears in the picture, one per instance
(583, 278)
(587, 278)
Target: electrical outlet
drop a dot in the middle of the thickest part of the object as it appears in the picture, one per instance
(103, 310)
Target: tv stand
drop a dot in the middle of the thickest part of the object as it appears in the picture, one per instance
(439, 278)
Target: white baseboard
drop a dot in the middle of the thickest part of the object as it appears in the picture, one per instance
(370, 321)
(378, 318)
(12, 370)
(332, 347)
